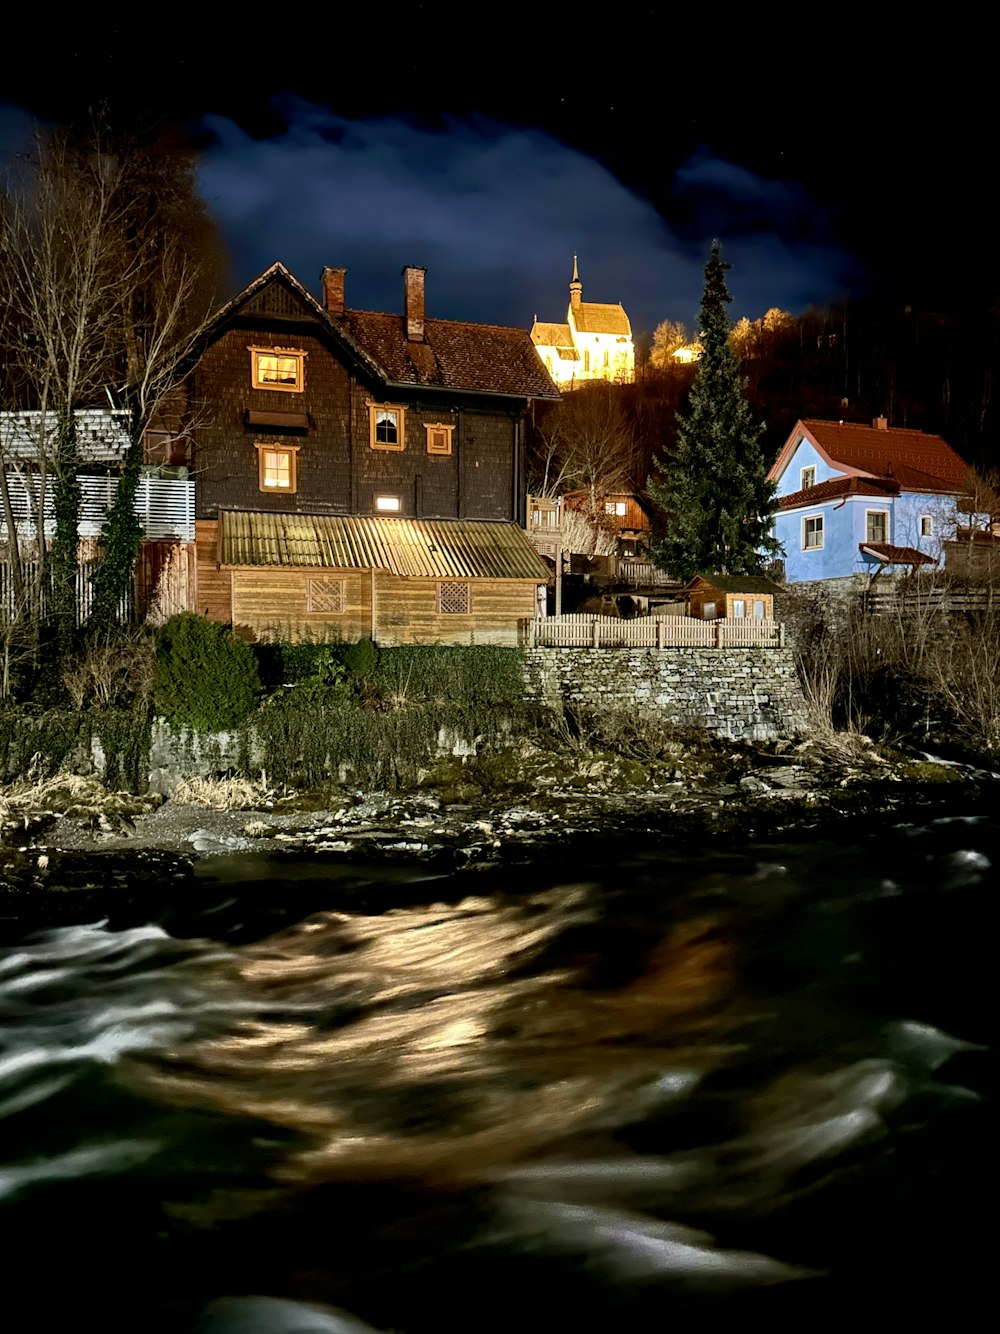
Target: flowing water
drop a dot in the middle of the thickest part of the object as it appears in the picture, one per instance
(587, 1095)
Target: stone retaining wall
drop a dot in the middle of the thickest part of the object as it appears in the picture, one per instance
(748, 694)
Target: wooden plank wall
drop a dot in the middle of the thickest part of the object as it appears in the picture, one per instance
(273, 604)
(406, 612)
(213, 588)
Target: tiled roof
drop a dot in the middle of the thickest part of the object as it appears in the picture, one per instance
(551, 335)
(592, 317)
(483, 358)
(838, 487)
(890, 452)
(101, 434)
(890, 555)
(420, 548)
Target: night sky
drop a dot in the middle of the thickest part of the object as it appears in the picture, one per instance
(492, 145)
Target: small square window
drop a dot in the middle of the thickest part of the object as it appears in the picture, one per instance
(276, 470)
(807, 478)
(926, 525)
(386, 426)
(388, 505)
(326, 595)
(812, 533)
(876, 526)
(281, 368)
(454, 598)
(439, 438)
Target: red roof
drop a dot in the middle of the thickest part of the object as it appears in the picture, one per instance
(838, 487)
(919, 462)
(484, 358)
(890, 555)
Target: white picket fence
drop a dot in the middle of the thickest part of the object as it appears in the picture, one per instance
(581, 631)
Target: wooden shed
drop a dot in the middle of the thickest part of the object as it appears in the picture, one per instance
(397, 581)
(714, 596)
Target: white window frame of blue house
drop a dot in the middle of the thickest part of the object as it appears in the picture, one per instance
(872, 514)
(818, 530)
(807, 477)
(927, 525)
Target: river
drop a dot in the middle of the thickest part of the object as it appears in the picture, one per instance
(596, 1092)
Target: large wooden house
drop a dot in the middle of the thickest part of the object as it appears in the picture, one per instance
(362, 473)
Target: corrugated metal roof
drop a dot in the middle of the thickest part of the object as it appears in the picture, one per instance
(419, 548)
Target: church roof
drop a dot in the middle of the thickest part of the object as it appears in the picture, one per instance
(594, 318)
(551, 335)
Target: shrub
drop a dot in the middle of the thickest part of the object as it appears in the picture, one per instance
(111, 672)
(205, 679)
(456, 675)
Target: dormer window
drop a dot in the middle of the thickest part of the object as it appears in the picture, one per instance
(386, 426)
(807, 478)
(281, 368)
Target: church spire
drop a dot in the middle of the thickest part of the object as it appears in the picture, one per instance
(575, 287)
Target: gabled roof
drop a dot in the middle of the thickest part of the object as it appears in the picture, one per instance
(592, 317)
(837, 488)
(919, 462)
(735, 583)
(551, 335)
(457, 355)
(420, 548)
(480, 358)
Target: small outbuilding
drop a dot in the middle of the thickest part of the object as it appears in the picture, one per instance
(713, 596)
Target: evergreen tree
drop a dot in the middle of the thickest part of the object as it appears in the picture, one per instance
(714, 490)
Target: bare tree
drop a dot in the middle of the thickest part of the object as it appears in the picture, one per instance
(587, 442)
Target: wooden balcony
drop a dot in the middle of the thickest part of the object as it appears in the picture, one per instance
(165, 506)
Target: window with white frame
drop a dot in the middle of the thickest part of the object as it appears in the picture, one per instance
(876, 526)
(454, 598)
(812, 532)
(739, 608)
(807, 478)
(388, 505)
(758, 611)
(926, 525)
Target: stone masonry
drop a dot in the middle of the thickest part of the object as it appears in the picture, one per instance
(749, 694)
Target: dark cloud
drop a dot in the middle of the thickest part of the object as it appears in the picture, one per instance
(496, 213)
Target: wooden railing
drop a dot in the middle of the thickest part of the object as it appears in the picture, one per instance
(580, 631)
(913, 602)
(639, 573)
(165, 506)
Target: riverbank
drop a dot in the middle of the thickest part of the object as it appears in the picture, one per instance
(80, 843)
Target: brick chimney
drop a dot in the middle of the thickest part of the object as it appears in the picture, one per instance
(413, 302)
(333, 290)
(881, 423)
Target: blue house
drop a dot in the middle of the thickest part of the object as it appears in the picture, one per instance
(856, 499)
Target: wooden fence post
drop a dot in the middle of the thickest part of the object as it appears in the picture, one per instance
(595, 633)
(659, 634)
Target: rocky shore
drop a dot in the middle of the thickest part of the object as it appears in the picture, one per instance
(83, 848)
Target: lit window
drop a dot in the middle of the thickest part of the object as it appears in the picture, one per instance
(876, 526)
(812, 533)
(386, 426)
(276, 467)
(326, 595)
(439, 438)
(926, 525)
(387, 505)
(454, 598)
(278, 368)
(739, 609)
(808, 478)
(615, 507)
(586, 358)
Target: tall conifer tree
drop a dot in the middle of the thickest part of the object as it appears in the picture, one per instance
(714, 490)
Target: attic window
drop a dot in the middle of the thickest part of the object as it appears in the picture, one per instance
(808, 478)
(439, 438)
(615, 507)
(281, 368)
(386, 426)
